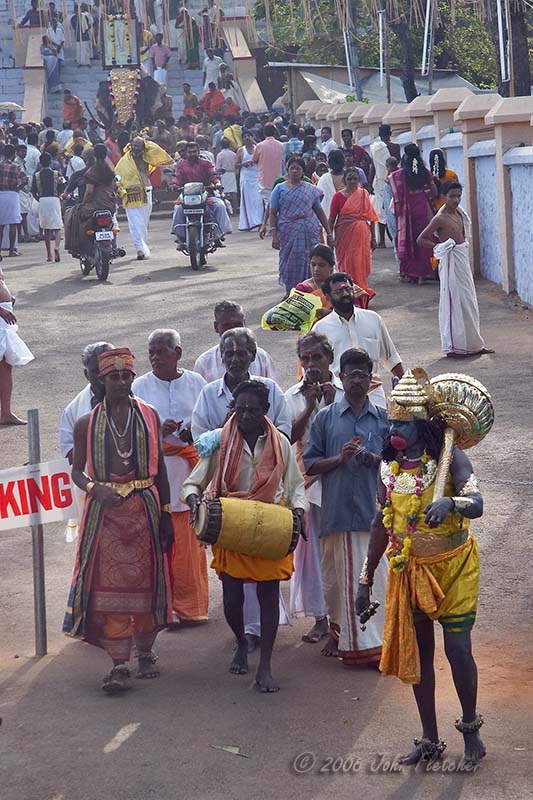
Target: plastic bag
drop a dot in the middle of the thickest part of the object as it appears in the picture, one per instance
(296, 313)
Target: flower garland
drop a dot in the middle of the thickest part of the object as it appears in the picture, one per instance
(399, 550)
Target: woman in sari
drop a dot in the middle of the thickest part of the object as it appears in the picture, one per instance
(441, 175)
(295, 219)
(322, 265)
(413, 189)
(353, 217)
(251, 210)
(51, 66)
(98, 194)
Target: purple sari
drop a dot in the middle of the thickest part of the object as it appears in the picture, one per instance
(413, 212)
(299, 231)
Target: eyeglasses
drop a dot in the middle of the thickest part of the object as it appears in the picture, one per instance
(356, 373)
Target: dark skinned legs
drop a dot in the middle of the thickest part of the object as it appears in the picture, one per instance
(382, 230)
(425, 690)
(233, 594)
(458, 649)
(268, 596)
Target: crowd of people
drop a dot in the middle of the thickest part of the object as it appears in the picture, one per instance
(148, 452)
(180, 445)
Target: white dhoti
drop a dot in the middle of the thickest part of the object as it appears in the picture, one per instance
(343, 555)
(25, 202)
(252, 611)
(307, 595)
(10, 208)
(50, 218)
(380, 153)
(229, 182)
(12, 348)
(160, 75)
(181, 45)
(458, 307)
(138, 221)
(83, 53)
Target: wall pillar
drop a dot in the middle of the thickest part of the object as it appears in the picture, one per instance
(471, 116)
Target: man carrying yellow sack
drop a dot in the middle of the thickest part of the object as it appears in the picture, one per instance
(133, 170)
(433, 560)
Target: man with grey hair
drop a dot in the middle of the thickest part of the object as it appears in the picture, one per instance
(86, 400)
(228, 315)
(83, 403)
(238, 349)
(173, 391)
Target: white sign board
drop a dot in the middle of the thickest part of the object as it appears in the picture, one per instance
(36, 494)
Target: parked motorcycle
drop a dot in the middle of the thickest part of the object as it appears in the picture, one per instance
(197, 234)
(102, 250)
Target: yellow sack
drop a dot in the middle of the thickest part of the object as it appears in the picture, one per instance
(296, 313)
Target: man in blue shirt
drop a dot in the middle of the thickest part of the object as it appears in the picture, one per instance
(293, 147)
(344, 447)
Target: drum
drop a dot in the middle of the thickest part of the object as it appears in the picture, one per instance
(249, 527)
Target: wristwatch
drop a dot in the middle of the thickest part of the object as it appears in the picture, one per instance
(89, 487)
(166, 509)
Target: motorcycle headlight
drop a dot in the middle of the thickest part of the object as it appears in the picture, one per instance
(192, 200)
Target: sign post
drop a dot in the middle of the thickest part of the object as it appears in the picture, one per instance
(37, 539)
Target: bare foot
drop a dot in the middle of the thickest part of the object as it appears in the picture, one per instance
(12, 419)
(239, 664)
(118, 680)
(317, 632)
(264, 682)
(330, 648)
(147, 668)
(424, 750)
(485, 351)
(474, 749)
(253, 642)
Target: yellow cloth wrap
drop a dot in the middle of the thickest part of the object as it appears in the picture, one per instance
(261, 527)
(445, 587)
(132, 188)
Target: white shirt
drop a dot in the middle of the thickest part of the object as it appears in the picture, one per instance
(211, 69)
(297, 404)
(76, 408)
(75, 164)
(213, 404)
(63, 137)
(327, 147)
(365, 329)
(31, 161)
(172, 400)
(210, 365)
(291, 486)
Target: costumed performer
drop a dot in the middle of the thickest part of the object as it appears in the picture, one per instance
(433, 566)
(120, 588)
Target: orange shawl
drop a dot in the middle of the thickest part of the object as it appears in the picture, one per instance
(352, 239)
(269, 469)
(188, 452)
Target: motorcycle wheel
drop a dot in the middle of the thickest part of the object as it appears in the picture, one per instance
(85, 267)
(196, 255)
(103, 259)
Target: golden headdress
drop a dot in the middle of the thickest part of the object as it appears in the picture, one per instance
(410, 398)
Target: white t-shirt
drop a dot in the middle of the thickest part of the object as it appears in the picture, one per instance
(327, 147)
(212, 68)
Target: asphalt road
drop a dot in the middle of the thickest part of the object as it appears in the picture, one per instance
(61, 738)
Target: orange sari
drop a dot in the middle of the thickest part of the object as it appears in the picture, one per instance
(352, 239)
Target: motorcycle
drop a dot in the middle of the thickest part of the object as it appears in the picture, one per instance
(103, 250)
(199, 235)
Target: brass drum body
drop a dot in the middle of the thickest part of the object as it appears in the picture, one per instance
(249, 527)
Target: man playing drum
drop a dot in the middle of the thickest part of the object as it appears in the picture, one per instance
(253, 462)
